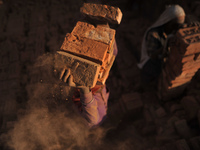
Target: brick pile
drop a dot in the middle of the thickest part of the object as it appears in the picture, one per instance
(89, 49)
(183, 62)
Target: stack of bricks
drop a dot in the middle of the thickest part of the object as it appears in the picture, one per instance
(88, 50)
(183, 62)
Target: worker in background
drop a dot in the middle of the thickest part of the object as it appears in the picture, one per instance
(155, 41)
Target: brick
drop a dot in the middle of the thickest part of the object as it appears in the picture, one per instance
(175, 55)
(106, 71)
(84, 71)
(189, 39)
(182, 128)
(185, 54)
(102, 12)
(89, 49)
(99, 33)
(182, 145)
(188, 31)
(168, 93)
(132, 102)
(191, 106)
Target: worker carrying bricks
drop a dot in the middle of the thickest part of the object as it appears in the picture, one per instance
(94, 49)
(155, 41)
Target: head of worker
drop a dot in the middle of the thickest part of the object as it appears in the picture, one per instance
(171, 19)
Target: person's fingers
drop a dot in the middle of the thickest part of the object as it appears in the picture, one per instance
(71, 82)
(62, 73)
(66, 75)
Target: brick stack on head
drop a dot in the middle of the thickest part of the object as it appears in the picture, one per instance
(183, 61)
(88, 49)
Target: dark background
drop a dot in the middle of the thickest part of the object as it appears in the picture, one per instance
(31, 28)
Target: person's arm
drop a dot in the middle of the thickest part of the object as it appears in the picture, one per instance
(89, 108)
(95, 106)
(89, 103)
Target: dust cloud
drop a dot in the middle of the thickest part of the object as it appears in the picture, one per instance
(51, 121)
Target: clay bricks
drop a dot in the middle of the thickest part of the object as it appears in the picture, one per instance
(94, 45)
(99, 33)
(86, 48)
(84, 72)
(189, 40)
(183, 61)
(102, 12)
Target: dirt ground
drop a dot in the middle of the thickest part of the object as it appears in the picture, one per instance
(35, 112)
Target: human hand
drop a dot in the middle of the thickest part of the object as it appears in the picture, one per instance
(67, 77)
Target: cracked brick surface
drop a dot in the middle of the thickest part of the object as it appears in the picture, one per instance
(84, 71)
(84, 47)
(102, 34)
(102, 12)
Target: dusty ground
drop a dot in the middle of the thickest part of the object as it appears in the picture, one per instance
(30, 29)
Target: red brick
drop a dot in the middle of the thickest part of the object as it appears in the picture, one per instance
(189, 40)
(84, 72)
(90, 49)
(188, 31)
(102, 12)
(99, 33)
(132, 102)
(175, 55)
(105, 72)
